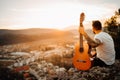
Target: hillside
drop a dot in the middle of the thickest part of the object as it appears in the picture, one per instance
(30, 31)
(33, 34)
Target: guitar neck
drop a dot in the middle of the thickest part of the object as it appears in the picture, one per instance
(81, 40)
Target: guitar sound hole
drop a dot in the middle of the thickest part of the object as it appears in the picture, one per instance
(81, 49)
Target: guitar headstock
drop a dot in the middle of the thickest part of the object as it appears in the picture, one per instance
(82, 17)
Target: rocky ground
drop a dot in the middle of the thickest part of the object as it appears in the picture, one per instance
(48, 61)
(47, 71)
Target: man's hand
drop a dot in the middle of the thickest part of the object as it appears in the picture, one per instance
(81, 30)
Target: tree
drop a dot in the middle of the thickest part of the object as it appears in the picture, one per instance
(112, 26)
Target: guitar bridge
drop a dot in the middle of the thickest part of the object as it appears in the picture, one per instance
(81, 61)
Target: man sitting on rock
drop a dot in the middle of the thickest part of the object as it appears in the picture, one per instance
(103, 43)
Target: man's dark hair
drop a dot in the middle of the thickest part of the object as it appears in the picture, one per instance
(97, 25)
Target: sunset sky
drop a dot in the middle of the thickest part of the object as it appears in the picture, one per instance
(58, 14)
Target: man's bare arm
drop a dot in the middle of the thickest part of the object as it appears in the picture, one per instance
(93, 43)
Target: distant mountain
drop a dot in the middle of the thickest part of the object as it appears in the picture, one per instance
(32, 34)
(73, 27)
(30, 31)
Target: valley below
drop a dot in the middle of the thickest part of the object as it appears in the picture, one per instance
(44, 54)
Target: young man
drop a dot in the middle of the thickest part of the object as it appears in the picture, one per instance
(103, 42)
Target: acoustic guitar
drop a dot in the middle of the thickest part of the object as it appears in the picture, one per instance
(81, 59)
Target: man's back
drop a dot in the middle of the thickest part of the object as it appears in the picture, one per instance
(105, 51)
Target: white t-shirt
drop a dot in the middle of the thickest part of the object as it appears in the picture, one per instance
(105, 51)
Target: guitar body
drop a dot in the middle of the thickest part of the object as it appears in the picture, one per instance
(81, 60)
